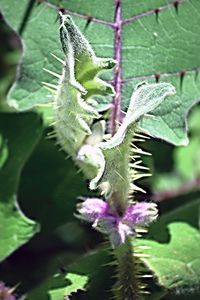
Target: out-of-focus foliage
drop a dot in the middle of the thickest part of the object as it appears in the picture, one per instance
(186, 173)
(15, 228)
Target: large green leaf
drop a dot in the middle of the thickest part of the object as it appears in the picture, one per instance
(176, 264)
(185, 175)
(57, 184)
(157, 37)
(187, 212)
(19, 134)
(59, 286)
(77, 282)
(91, 270)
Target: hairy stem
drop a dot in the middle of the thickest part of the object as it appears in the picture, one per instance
(128, 285)
(116, 116)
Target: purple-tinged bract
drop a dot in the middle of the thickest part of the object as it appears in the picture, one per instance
(117, 227)
(6, 292)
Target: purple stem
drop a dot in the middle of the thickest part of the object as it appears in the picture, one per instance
(116, 112)
(183, 189)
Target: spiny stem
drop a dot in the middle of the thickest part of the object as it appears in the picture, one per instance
(122, 180)
(128, 285)
(116, 117)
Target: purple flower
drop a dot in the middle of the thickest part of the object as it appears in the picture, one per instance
(141, 213)
(92, 209)
(117, 227)
(6, 292)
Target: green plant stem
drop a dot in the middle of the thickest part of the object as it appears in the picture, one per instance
(128, 286)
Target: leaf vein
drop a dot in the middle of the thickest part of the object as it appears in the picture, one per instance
(165, 74)
(82, 16)
(151, 12)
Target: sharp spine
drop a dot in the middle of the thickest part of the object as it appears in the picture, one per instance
(58, 59)
(50, 90)
(53, 86)
(52, 73)
(141, 135)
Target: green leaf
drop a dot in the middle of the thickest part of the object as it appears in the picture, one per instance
(143, 100)
(176, 264)
(89, 8)
(150, 46)
(15, 228)
(90, 273)
(194, 124)
(188, 213)
(55, 181)
(19, 133)
(190, 155)
(76, 282)
(186, 163)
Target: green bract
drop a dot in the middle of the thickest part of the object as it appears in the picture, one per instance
(78, 82)
(115, 178)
